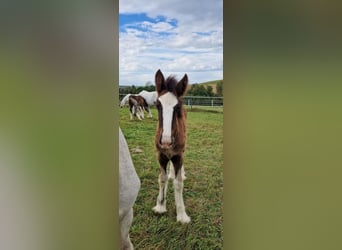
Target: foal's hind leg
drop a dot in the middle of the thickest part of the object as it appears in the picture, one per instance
(172, 176)
(141, 111)
(148, 110)
(162, 180)
(131, 110)
(178, 187)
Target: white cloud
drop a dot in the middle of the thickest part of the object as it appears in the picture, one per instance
(194, 46)
(158, 27)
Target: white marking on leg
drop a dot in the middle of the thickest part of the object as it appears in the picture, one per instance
(142, 113)
(171, 172)
(138, 115)
(180, 208)
(161, 199)
(183, 174)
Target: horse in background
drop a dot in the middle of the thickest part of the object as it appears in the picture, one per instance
(150, 97)
(170, 139)
(137, 104)
(129, 186)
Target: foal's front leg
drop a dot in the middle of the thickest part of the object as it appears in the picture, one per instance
(178, 187)
(131, 110)
(162, 180)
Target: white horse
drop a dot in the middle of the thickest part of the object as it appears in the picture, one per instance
(129, 185)
(124, 100)
(150, 97)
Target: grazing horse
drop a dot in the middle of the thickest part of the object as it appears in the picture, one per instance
(137, 104)
(129, 185)
(170, 140)
(150, 97)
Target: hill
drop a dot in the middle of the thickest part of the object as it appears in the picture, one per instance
(210, 83)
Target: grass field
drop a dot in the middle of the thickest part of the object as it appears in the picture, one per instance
(202, 189)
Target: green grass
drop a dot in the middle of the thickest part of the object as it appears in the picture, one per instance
(202, 189)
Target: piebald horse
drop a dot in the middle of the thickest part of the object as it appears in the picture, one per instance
(137, 104)
(150, 98)
(170, 139)
(129, 185)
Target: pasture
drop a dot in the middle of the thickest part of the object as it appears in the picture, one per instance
(203, 188)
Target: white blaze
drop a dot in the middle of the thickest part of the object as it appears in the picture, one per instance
(168, 101)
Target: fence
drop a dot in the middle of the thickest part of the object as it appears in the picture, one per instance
(203, 101)
(190, 101)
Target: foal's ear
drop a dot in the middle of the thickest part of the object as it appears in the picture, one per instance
(160, 81)
(182, 86)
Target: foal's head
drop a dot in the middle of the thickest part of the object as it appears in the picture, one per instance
(171, 130)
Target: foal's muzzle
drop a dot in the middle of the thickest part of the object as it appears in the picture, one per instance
(166, 142)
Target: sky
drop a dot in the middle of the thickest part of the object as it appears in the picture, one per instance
(177, 37)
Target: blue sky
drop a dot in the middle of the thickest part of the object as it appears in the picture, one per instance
(136, 20)
(176, 36)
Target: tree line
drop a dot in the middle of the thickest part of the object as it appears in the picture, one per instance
(194, 90)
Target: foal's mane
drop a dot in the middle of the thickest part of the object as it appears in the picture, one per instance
(171, 83)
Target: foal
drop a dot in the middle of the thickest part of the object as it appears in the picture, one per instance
(170, 140)
(137, 104)
(151, 98)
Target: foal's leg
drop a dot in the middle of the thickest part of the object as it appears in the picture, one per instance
(131, 110)
(178, 187)
(141, 110)
(138, 112)
(171, 175)
(148, 110)
(162, 180)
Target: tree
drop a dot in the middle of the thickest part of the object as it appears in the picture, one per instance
(197, 90)
(210, 91)
(219, 88)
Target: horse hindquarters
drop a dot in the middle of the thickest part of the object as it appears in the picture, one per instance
(129, 186)
(125, 225)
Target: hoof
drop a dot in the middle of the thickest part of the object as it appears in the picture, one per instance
(159, 209)
(183, 218)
